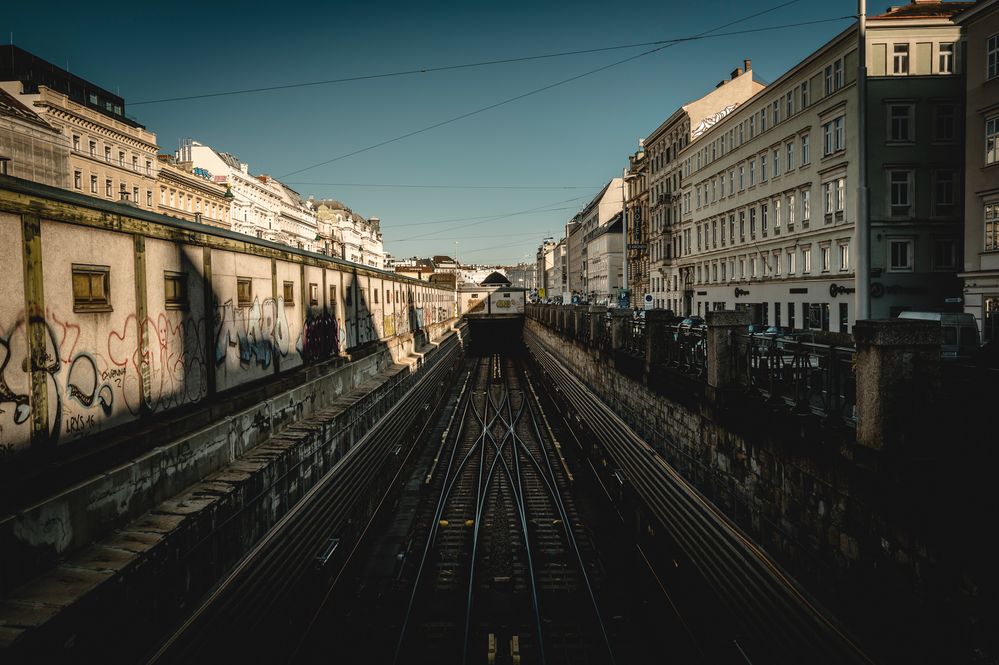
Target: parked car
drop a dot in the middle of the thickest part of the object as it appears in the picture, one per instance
(688, 326)
(960, 331)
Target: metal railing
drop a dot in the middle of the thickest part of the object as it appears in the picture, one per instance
(808, 377)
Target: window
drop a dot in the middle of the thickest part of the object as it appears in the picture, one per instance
(943, 193)
(313, 295)
(900, 185)
(992, 57)
(805, 154)
(107, 188)
(832, 137)
(764, 217)
(806, 206)
(805, 95)
(77, 179)
(945, 122)
(777, 264)
(992, 227)
(992, 140)
(790, 315)
(175, 290)
(752, 223)
(121, 158)
(135, 194)
(149, 198)
(76, 142)
(790, 105)
(946, 59)
(824, 253)
(827, 199)
(348, 293)
(844, 257)
(840, 196)
(752, 172)
(742, 226)
(763, 119)
(806, 260)
(944, 255)
(93, 148)
(776, 111)
(763, 167)
(777, 215)
(776, 162)
(900, 255)
(375, 292)
(244, 292)
(91, 288)
(834, 76)
(900, 59)
(790, 156)
(93, 184)
(990, 318)
(790, 262)
(107, 153)
(742, 172)
(900, 122)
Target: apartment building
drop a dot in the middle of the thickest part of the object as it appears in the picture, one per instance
(768, 198)
(981, 186)
(637, 212)
(664, 174)
(190, 193)
(111, 155)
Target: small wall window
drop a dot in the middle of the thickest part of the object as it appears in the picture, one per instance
(333, 300)
(313, 295)
(175, 290)
(244, 291)
(376, 295)
(91, 288)
(289, 293)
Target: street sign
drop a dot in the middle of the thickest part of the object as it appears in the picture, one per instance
(648, 301)
(637, 245)
(541, 292)
(622, 299)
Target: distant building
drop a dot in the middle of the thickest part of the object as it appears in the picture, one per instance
(351, 236)
(111, 155)
(604, 208)
(981, 186)
(190, 194)
(30, 148)
(637, 210)
(605, 262)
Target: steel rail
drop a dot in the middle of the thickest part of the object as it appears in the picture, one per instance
(288, 547)
(438, 511)
(744, 576)
(566, 523)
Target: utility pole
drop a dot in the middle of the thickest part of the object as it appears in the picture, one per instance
(624, 234)
(862, 297)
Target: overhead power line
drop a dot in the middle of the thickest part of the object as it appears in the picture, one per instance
(550, 86)
(465, 65)
(401, 186)
(494, 215)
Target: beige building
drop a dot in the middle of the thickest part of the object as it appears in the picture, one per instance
(664, 175)
(190, 193)
(769, 193)
(112, 156)
(30, 148)
(637, 211)
(981, 190)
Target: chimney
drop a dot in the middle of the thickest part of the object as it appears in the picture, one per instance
(721, 83)
(736, 73)
(748, 64)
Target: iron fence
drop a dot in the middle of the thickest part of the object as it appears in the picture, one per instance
(809, 377)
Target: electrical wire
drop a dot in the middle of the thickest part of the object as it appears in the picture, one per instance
(465, 65)
(389, 185)
(556, 84)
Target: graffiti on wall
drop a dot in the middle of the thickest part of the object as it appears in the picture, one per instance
(320, 337)
(90, 389)
(255, 334)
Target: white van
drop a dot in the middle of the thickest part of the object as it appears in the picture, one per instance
(960, 331)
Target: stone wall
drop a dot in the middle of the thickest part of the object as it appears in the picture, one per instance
(814, 498)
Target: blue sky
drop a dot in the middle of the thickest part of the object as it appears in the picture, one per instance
(569, 140)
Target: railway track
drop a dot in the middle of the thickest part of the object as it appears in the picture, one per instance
(506, 573)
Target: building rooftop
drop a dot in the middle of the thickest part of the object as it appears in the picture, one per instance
(925, 9)
(495, 278)
(16, 64)
(11, 107)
